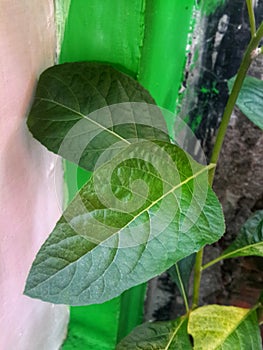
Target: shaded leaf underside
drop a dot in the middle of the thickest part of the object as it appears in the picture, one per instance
(249, 241)
(170, 335)
(250, 99)
(82, 109)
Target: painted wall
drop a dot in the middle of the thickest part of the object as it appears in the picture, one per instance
(29, 199)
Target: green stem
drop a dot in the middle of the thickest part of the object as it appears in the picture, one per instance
(247, 59)
(197, 278)
(251, 16)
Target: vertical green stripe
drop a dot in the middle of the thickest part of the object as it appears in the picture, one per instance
(131, 312)
(93, 327)
(107, 30)
(164, 50)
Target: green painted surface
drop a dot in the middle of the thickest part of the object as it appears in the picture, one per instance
(131, 312)
(93, 327)
(108, 30)
(146, 39)
(163, 54)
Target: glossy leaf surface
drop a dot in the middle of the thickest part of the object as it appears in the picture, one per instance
(250, 99)
(82, 109)
(148, 208)
(170, 335)
(215, 327)
(249, 240)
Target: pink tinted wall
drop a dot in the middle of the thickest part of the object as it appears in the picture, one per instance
(29, 197)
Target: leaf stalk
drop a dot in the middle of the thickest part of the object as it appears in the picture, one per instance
(182, 288)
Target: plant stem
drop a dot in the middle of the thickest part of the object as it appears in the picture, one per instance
(247, 59)
(251, 16)
(197, 277)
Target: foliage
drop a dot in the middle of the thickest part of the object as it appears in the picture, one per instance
(147, 207)
(151, 229)
(180, 273)
(224, 327)
(158, 335)
(250, 99)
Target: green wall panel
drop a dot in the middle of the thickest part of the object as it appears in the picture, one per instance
(163, 54)
(104, 30)
(146, 39)
(93, 327)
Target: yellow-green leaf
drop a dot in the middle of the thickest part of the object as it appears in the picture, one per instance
(215, 327)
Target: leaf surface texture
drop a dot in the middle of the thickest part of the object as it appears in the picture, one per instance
(83, 109)
(148, 208)
(169, 335)
(215, 327)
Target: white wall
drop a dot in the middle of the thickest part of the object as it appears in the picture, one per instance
(29, 204)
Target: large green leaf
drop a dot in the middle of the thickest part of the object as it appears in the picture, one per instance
(68, 117)
(215, 327)
(249, 240)
(169, 335)
(148, 208)
(181, 272)
(250, 99)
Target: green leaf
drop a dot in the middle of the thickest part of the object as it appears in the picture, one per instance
(169, 335)
(148, 208)
(82, 109)
(181, 272)
(249, 240)
(250, 99)
(215, 327)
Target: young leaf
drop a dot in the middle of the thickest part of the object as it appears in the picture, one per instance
(148, 208)
(68, 117)
(181, 272)
(250, 99)
(167, 335)
(249, 240)
(215, 327)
